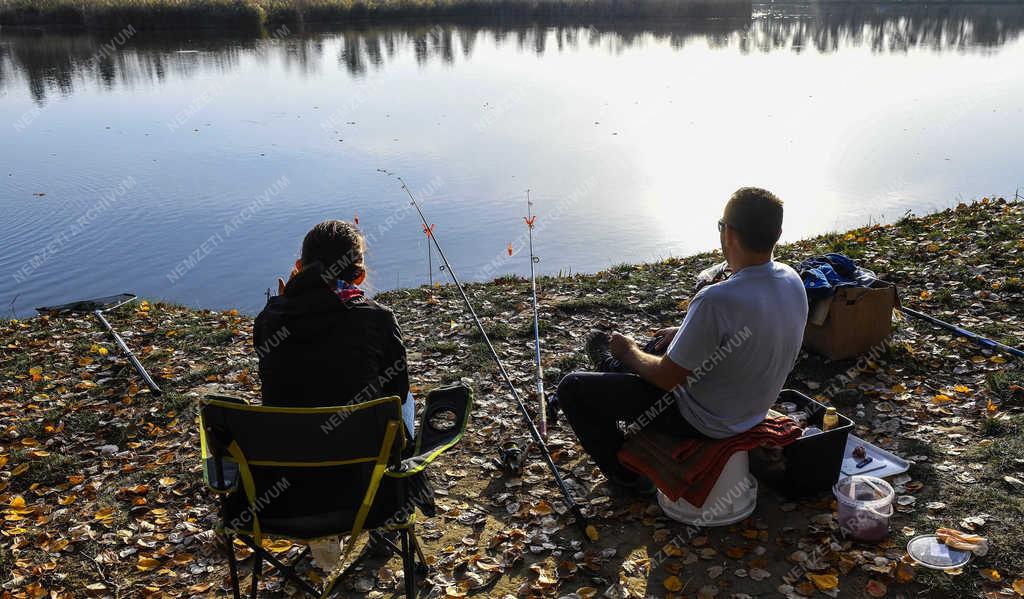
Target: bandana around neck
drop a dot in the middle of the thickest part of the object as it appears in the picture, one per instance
(347, 291)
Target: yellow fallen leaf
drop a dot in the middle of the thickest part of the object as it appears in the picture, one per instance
(277, 545)
(991, 574)
(67, 500)
(147, 563)
(941, 399)
(997, 360)
(962, 389)
(17, 502)
(542, 508)
(824, 582)
(991, 408)
(592, 533)
(1018, 586)
(672, 583)
(104, 513)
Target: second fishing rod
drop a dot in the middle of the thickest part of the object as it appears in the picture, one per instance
(574, 507)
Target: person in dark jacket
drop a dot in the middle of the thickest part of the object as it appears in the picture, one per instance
(321, 341)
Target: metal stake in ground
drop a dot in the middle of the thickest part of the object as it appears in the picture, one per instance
(430, 267)
(98, 306)
(581, 520)
(543, 412)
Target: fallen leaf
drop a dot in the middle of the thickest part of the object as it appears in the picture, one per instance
(824, 582)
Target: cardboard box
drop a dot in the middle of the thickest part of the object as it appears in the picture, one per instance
(852, 321)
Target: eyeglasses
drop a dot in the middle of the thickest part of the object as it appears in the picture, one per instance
(722, 225)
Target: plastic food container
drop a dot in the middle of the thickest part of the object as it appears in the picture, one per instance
(864, 506)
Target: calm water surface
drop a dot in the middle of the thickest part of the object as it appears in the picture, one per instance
(189, 167)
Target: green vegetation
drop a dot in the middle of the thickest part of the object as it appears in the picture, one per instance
(175, 14)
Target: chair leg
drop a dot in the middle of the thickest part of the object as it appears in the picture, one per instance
(257, 569)
(229, 548)
(288, 571)
(408, 565)
(421, 568)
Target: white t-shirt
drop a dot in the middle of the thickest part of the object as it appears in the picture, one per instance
(740, 339)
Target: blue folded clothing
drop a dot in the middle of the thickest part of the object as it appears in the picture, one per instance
(822, 275)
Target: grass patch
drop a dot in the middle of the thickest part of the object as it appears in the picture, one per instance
(495, 331)
(593, 302)
(1002, 384)
(525, 330)
(50, 470)
(1006, 455)
(568, 363)
(509, 279)
(440, 346)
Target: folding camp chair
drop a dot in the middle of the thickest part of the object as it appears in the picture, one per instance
(312, 473)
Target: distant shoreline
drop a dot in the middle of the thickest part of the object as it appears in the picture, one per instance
(256, 14)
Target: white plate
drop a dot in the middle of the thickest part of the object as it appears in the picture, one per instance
(883, 463)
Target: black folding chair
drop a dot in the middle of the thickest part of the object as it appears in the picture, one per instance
(310, 473)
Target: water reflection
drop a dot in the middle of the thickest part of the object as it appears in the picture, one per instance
(55, 63)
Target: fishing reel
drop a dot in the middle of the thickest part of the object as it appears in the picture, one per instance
(511, 458)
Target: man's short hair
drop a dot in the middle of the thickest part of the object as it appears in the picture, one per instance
(338, 246)
(756, 216)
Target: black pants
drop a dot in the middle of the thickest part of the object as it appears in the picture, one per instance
(595, 403)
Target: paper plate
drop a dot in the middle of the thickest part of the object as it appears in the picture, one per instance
(930, 553)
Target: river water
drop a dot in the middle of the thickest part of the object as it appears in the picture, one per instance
(188, 167)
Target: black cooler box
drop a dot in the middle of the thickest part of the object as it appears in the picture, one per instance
(813, 463)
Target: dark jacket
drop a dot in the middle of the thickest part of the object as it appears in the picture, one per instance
(317, 350)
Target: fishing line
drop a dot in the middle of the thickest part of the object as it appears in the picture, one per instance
(581, 520)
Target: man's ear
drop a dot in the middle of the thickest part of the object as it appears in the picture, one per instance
(298, 266)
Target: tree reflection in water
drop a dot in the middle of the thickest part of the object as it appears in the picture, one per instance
(54, 63)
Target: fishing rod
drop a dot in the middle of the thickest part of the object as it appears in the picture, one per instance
(97, 307)
(530, 219)
(974, 337)
(589, 531)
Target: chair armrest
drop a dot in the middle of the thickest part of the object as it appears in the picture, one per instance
(445, 416)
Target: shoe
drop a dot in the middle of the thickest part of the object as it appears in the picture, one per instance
(552, 408)
(632, 483)
(599, 354)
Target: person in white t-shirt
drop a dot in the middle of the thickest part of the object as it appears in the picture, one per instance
(724, 366)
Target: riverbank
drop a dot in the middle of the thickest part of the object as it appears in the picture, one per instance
(102, 494)
(254, 14)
